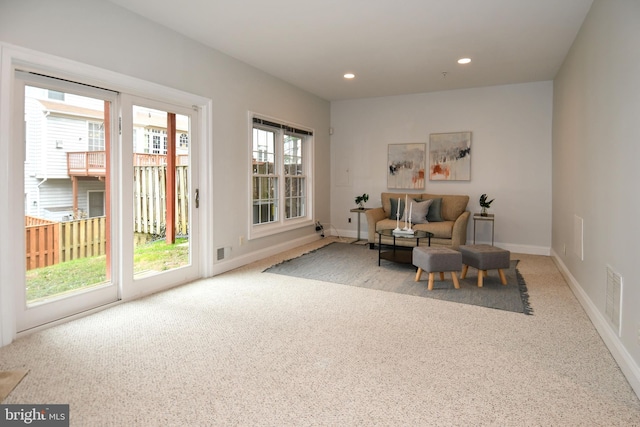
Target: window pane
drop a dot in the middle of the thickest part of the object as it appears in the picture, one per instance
(294, 181)
(263, 151)
(155, 231)
(65, 212)
(295, 201)
(95, 136)
(292, 155)
(265, 190)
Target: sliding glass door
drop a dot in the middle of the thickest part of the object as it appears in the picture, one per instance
(110, 197)
(67, 135)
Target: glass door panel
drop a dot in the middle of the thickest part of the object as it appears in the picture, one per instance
(160, 191)
(159, 187)
(67, 142)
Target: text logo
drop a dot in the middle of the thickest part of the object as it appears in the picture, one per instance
(34, 415)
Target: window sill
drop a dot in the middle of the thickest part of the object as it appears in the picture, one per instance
(264, 230)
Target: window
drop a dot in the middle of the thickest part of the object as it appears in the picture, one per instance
(54, 94)
(156, 140)
(184, 140)
(265, 180)
(281, 177)
(96, 137)
(294, 179)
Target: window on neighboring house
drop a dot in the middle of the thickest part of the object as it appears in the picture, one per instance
(54, 94)
(156, 140)
(184, 140)
(281, 177)
(95, 137)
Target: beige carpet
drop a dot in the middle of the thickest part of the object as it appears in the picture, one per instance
(9, 380)
(255, 349)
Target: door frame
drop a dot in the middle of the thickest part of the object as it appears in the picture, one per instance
(12, 263)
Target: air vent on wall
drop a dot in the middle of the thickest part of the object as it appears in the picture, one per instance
(614, 298)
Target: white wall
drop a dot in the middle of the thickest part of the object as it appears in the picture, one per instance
(510, 155)
(595, 172)
(102, 34)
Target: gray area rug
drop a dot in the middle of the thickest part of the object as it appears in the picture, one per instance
(356, 265)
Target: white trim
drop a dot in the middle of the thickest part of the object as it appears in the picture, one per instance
(242, 260)
(8, 257)
(625, 361)
(519, 249)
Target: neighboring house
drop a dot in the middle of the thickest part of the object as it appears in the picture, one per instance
(64, 130)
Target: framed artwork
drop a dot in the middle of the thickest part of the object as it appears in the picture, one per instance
(406, 166)
(450, 156)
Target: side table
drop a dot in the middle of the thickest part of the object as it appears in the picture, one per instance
(488, 217)
(359, 211)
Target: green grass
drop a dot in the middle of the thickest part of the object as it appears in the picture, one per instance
(86, 272)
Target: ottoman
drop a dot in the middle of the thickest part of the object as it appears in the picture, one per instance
(483, 258)
(436, 259)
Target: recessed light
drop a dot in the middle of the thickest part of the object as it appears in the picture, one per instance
(349, 76)
(464, 60)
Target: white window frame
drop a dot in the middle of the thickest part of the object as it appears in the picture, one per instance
(281, 224)
(92, 142)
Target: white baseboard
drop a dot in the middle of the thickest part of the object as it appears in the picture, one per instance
(349, 233)
(627, 365)
(523, 249)
(242, 260)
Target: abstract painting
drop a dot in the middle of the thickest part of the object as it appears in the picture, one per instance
(450, 156)
(406, 166)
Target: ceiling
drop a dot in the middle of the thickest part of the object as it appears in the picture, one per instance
(393, 47)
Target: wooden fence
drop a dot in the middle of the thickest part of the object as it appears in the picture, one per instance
(150, 192)
(83, 238)
(50, 243)
(41, 242)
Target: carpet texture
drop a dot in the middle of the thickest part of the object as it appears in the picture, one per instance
(358, 266)
(9, 380)
(247, 348)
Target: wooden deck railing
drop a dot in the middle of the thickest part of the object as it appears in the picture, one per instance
(93, 163)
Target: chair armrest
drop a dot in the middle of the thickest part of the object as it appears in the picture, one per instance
(373, 216)
(459, 232)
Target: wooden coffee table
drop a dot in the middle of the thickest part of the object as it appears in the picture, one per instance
(400, 253)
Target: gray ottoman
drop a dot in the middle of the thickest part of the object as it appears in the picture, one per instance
(437, 259)
(484, 257)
